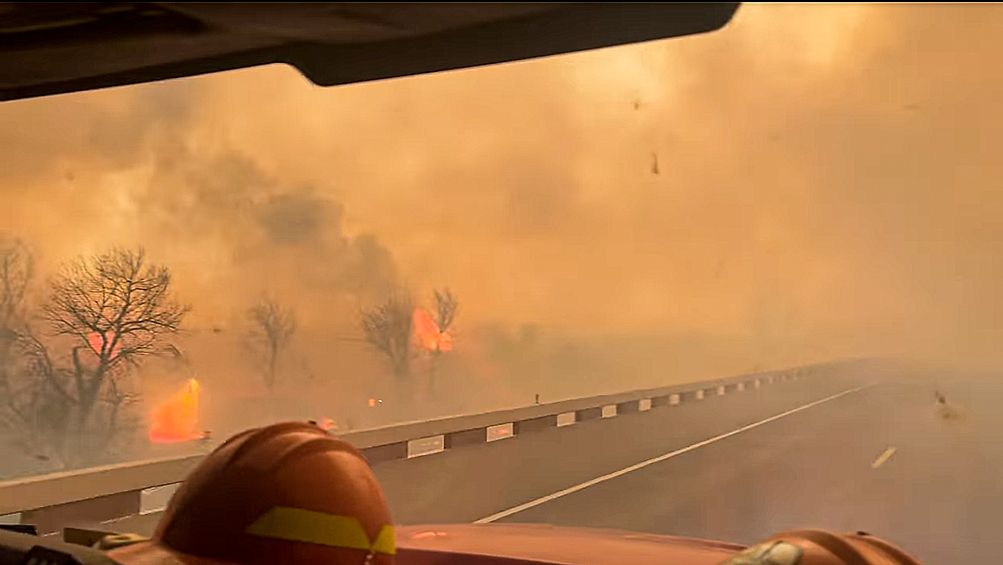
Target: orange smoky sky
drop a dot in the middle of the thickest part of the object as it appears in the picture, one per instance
(827, 183)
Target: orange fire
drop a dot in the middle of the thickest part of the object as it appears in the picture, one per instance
(429, 335)
(176, 419)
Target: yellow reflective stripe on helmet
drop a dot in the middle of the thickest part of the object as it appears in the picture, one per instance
(384, 542)
(297, 524)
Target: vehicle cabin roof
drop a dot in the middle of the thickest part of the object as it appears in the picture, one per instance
(54, 48)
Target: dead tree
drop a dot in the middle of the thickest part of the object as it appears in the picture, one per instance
(114, 310)
(31, 403)
(36, 395)
(388, 328)
(446, 306)
(17, 268)
(272, 330)
(16, 271)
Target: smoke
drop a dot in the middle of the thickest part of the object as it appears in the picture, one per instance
(825, 187)
(296, 219)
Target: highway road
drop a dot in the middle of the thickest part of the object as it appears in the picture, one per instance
(742, 466)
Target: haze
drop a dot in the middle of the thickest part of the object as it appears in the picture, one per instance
(812, 182)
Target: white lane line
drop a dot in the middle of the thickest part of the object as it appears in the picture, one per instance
(660, 458)
(883, 458)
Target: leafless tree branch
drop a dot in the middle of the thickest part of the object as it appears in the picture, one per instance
(17, 268)
(117, 308)
(388, 329)
(446, 306)
(272, 330)
(111, 311)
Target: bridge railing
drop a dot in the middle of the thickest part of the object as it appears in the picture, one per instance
(113, 492)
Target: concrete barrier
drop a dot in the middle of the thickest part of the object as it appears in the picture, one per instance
(109, 493)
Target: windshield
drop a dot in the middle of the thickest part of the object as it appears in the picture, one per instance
(813, 184)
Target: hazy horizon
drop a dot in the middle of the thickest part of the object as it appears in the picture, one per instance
(811, 182)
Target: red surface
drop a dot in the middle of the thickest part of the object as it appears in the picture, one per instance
(523, 544)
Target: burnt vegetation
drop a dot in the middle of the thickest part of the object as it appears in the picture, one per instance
(65, 386)
(388, 328)
(446, 307)
(272, 329)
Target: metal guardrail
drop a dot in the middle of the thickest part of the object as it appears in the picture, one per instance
(110, 492)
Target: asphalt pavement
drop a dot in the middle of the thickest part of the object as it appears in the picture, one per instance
(742, 466)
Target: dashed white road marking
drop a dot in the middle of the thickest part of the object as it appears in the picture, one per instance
(660, 458)
(883, 458)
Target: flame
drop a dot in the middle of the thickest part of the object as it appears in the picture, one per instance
(429, 335)
(176, 419)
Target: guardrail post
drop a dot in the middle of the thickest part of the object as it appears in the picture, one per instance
(501, 431)
(565, 419)
(425, 446)
(155, 499)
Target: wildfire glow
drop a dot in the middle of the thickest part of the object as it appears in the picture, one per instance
(96, 343)
(428, 332)
(176, 419)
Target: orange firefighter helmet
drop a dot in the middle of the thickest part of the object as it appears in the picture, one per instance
(285, 494)
(818, 547)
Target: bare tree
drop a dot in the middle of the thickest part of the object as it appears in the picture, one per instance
(34, 407)
(272, 330)
(115, 309)
(112, 309)
(388, 329)
(446, 306)
(31, 405)
(17, 268)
